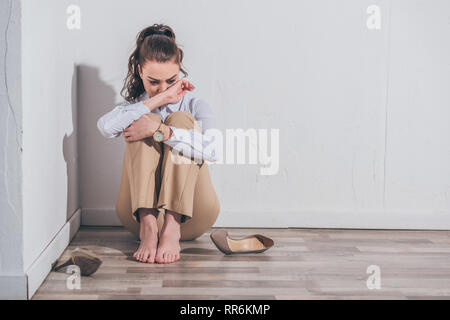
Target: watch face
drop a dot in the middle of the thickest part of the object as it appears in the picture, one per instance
(158, 136)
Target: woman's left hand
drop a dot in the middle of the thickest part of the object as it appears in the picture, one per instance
(142, 128)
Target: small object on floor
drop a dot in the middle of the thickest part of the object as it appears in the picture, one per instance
(86, 261)
(251, 244)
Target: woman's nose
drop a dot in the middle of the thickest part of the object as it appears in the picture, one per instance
(162, 88)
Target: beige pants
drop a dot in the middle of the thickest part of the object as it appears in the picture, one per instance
(153, 178)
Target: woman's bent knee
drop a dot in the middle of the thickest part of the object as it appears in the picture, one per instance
(200, 223)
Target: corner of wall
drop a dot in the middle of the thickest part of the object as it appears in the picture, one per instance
(13, 281)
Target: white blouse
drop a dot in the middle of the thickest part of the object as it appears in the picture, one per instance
(185, 141)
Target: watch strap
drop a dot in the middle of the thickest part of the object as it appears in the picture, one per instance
(160, 124)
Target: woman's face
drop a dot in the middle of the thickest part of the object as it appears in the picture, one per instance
(157, 77)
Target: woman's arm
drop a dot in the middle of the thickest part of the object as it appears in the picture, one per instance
(199, 145)
(114, 122)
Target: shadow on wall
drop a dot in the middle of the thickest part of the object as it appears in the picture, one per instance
(70, 152)
(100, 158)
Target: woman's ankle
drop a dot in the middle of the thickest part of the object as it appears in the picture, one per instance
(146, 213)
(173, 215)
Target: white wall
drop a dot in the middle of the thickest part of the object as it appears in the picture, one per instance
(363, 114)
(49, 117)
(12, 276)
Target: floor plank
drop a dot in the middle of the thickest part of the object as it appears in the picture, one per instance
(302, 264)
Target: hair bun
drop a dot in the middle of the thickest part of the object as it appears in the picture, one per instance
(162, 32)
(157, 29)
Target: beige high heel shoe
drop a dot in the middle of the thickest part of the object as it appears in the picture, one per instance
(86, 261)
(251, 244)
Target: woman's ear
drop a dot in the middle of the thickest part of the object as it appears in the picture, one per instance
(139, 70)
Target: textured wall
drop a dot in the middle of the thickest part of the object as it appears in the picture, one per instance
(38, 126)
(12, 280)
(362, 113)
(49, 118)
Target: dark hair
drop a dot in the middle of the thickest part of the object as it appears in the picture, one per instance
(154, 43)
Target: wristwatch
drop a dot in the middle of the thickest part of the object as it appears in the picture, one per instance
(158, 136)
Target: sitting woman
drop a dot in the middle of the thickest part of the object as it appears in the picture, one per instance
(165, 128)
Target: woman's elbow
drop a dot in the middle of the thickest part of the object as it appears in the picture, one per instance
(106, 132)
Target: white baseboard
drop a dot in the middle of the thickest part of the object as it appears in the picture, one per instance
(41, 267)
(328, 219)
(406, 220)
(99, 217)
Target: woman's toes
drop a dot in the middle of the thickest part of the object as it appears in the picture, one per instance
(144, 256)
(151, 257)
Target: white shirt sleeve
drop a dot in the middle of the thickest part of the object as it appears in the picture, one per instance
(114, 122)
(193, 143)
(188, 142)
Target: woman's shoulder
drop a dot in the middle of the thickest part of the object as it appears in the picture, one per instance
(198, 106)
(195, 103)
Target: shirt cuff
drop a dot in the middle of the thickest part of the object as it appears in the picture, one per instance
(187, 136)
(174, 137)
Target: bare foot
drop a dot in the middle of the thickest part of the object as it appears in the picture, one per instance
(169, 245)
(148, 234)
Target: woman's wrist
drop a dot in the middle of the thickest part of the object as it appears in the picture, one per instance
(167, 132)
(154, 102)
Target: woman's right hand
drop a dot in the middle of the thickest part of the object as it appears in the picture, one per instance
(176, 91)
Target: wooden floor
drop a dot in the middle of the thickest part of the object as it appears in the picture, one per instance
(302, 264)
